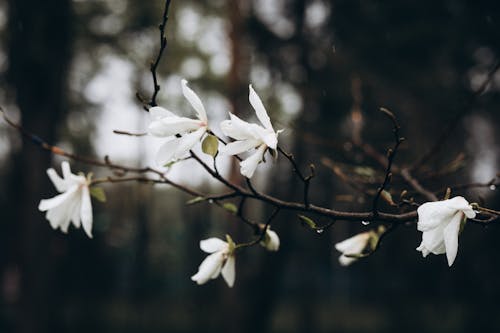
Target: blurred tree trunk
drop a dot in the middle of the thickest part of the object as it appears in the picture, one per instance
(39, 57)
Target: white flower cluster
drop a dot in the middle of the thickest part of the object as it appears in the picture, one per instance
(440, 222)
(184, 133)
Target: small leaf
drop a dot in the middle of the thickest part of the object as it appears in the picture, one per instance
(230, 207)
(210, 145)
(387, 197)
(98, 193)
(231, 244)
(310, 223)
(196, 200)
(169, 164)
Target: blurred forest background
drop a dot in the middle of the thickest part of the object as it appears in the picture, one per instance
(70, 70)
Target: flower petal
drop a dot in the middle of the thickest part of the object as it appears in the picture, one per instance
(66, 170)
(212, 245)
(229, 271)
(238, 147)
(354, 244)
(259, 108)
(173, 125)
(271, 241)
(433, 240)
(46, 204)
(60, 184)
(239, 129)
(248, 166)
(460, 203)
(209, 268)
(167, 151)
(195, 101)
(187, 141)
(86, 211)
(346, 261)
(451, 237)
(157, 113)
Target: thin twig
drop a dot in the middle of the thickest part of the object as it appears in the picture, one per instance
(163, 46)
(391, 154)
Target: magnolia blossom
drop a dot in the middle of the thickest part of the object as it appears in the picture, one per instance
(271, 240)
(250, 136)
(440, 223)
(220, 260)
(353, 246)
(166, 124)
(72, 205)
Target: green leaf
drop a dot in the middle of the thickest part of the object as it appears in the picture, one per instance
(98, 193)
(230, 207)
(210, 145)
(196, 200)
(169, 164)
(310, 223)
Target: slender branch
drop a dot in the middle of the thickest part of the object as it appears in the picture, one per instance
(391, 154)
(262, 231)
(163, 46)
(405, 173)
(305, 179)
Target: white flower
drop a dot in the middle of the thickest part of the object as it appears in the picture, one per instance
(166, 124)
(271, 240)
(72, 205)
(249, 136)
(440, 223)
(220, 260)
(353, 246)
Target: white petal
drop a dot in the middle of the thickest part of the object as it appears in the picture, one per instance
(212, 245)
(208, 268)
(157, 113)
(75, 214)
(248, 166)
(195, 101)
(86, 211)
(432, 214)
(229, 271)
(60, 215)
(354, 244)
(460, 203)
(173, 125)
(451, 237)
(66, 170)
(239, 129)
(46, 204)
(260, 111)
(167, 151)
(187, 141)
(346, 261)
(433, 240)
(271, 241)
(238, 147)
(59, 183)
(271, 140)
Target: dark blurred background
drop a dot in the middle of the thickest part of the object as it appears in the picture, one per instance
(69, 72)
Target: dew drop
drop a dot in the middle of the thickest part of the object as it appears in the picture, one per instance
(319, 231)
(493, 187)
(365, 222)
